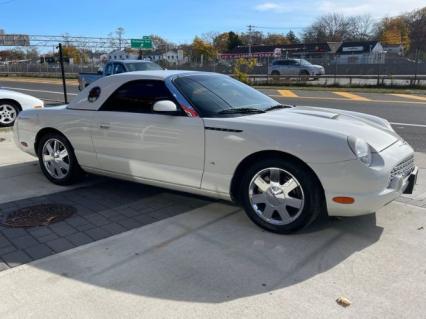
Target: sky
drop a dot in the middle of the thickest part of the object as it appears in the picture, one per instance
(179, 21)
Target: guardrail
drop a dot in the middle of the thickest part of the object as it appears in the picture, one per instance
(338, 80)
(53, 75)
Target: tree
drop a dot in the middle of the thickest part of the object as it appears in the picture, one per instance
(78, 55)
(330, 27)
(242, 67)
(292, 38)
(254, 37)
(417, 31)
(234, 40)
(360, 27)
(209, 36)
(203, 49)
(221, 41)
(394, 31)
(116, 38)
(275, 39)
(32, 54)
(161, 44)
(13, 54)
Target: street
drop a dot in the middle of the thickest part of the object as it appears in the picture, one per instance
(406, 112)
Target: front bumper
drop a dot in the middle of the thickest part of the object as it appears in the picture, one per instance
(371, 187)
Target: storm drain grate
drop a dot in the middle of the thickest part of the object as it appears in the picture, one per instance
(37, 215)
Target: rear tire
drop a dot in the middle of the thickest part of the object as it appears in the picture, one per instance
(9, 111)
(57, 159)
(304, 75)
(281, 196)
(275, 75)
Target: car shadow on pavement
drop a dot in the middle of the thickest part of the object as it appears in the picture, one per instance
(213, 254)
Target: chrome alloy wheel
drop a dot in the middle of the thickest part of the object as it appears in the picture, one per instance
(276, 196)
(7, 114)
(56, 159)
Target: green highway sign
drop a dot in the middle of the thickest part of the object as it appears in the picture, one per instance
(144, 43)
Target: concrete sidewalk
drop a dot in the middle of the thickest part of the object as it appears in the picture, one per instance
(213, 263)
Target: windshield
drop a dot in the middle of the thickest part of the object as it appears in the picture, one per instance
(213, 95)
(304, 62)
(142, 66)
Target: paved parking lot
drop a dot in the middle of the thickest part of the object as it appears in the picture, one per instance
(138, 251)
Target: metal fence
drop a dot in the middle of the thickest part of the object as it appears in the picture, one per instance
(394, 71)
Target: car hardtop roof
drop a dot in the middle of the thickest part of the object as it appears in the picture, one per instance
(131, 61)
(161, 74)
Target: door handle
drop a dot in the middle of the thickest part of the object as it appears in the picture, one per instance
(104, 126)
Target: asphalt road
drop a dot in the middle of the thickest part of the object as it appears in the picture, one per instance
(407, 113)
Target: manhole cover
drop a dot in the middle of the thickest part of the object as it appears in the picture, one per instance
(37, 215)
(2, 139)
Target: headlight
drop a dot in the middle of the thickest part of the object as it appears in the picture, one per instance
(361, 149)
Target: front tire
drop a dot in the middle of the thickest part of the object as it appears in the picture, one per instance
(281, 196)
(9, 111)
(57, 159)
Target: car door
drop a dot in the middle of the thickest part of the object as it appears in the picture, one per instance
(118, 68)
(108, 69)
(291, 67)
(131, 139)
(285, 67)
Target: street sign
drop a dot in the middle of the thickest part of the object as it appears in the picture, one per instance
(144, 43)
(14, 40)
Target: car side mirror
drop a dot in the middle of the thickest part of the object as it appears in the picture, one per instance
(164, 106)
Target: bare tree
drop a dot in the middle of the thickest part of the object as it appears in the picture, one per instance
(360, 27)
(116, 38)
(329, 27)
(209, 37)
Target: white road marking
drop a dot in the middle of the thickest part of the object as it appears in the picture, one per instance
(408, 124)
(32, 90)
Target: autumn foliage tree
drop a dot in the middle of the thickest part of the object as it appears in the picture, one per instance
(394, 31)
(78, 55)
(203, 50)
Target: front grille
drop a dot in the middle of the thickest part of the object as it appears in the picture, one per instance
(404, 168)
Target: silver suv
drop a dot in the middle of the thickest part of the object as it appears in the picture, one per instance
(295, 67)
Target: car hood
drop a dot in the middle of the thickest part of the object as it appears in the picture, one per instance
(371, 129)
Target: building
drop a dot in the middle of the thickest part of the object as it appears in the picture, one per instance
(299, 50)
(172, 57)
(360, 52)
(121, 55)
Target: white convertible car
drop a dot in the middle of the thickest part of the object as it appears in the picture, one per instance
(208, 134)
(11, 103)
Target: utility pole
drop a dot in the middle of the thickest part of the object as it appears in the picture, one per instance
(250, 29)
(61, 62)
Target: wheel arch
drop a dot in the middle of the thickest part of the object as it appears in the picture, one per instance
(12, 101)
(252, 158)
(45, 131)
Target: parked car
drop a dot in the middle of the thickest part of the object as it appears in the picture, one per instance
(116, 67)
(11, 103)
(208, 134)
(295, 67)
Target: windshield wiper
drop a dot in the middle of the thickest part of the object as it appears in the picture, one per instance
(242, 110)
(276, 107)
